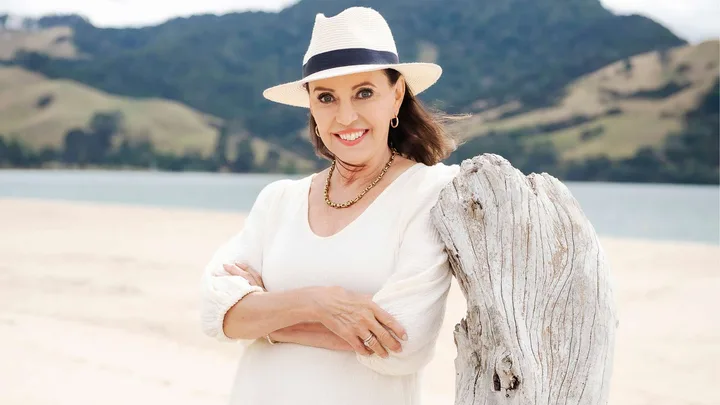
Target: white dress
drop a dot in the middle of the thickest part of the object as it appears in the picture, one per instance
(391, 251)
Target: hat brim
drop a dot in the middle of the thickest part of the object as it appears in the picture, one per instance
(419, 76)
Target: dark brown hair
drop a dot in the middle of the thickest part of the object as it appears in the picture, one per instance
(420, 136)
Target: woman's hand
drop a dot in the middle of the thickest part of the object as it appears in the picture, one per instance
(314, 335)
(355, 318)
(246, 272)
(351, 316)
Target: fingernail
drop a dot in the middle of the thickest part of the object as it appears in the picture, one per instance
(404, 336)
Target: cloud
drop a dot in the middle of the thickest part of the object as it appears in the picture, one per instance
(691, 19)
(694, 20)
(113, 13)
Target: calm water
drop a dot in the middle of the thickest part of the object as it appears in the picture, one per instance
(670, 212)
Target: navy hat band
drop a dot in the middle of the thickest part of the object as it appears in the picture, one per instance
(348, 57)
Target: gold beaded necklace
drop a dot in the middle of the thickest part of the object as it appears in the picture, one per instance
(356, 199)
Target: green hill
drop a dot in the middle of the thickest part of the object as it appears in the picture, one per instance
(615, 110)
(40, 112)
(492, 52)
(53, 41)
(650, 118)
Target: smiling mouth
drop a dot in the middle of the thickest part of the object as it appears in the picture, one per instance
(352, 136)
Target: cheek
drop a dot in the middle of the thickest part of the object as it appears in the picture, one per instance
(380, 112)
(379, 119)
(323, 118)
(324, 121)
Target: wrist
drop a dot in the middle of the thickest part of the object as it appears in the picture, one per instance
(309, 304)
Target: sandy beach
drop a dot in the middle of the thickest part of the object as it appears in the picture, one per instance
(99, 305)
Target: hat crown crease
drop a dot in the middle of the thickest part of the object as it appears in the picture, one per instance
(355, 27)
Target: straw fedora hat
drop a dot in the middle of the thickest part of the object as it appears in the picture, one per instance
(356, 40)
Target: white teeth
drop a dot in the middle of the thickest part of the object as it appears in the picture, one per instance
(352, 136)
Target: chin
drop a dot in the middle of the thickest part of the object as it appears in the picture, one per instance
(357, 154)
(353, 157)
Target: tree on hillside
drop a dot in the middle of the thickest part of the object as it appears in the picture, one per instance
(244, 157)
(627, 67)
(694, 153)
(103, 127)
(272, 161)
(3, 150)
(4, 153)
(75, 147)
(220, 155)
(93, 145)
(14, 154)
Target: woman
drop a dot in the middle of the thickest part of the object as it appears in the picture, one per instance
(337, 282)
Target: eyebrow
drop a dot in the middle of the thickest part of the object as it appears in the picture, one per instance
(354, 87)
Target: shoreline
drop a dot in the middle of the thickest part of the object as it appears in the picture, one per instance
(180, 209)
(109, 170)
(100, 301)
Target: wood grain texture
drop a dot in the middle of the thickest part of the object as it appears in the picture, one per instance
(540, 326)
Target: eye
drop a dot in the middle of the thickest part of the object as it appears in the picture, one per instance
(365, 93)
(325, 98)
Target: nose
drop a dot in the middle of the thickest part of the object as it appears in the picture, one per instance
(346, 114)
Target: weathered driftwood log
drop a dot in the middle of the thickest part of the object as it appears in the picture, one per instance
(540, 326)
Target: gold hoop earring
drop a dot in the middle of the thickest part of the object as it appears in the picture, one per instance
(317, 132)
(395, 122)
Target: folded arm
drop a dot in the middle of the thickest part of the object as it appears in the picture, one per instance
(290, 304)
(416, 293)
(312, 334)
(418, 302)
(222, 292)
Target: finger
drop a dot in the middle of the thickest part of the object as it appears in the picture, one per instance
(389, 322)
(373, 344)
(361, 348)
(257, 276)
(236, 271)
(357, 345)
(385, 338)
(233, 269)
(254, 274)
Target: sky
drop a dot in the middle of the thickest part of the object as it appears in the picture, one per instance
(693, 20)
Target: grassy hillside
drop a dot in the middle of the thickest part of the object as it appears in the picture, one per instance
(615, 110)
(497, 50)
(39, 112)
(53, 41)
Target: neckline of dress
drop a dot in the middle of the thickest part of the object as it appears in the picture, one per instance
(306, 205)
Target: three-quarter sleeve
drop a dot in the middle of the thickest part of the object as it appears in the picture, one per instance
(415, 295)
(221, 290)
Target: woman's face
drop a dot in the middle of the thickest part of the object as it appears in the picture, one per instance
(353, 113)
